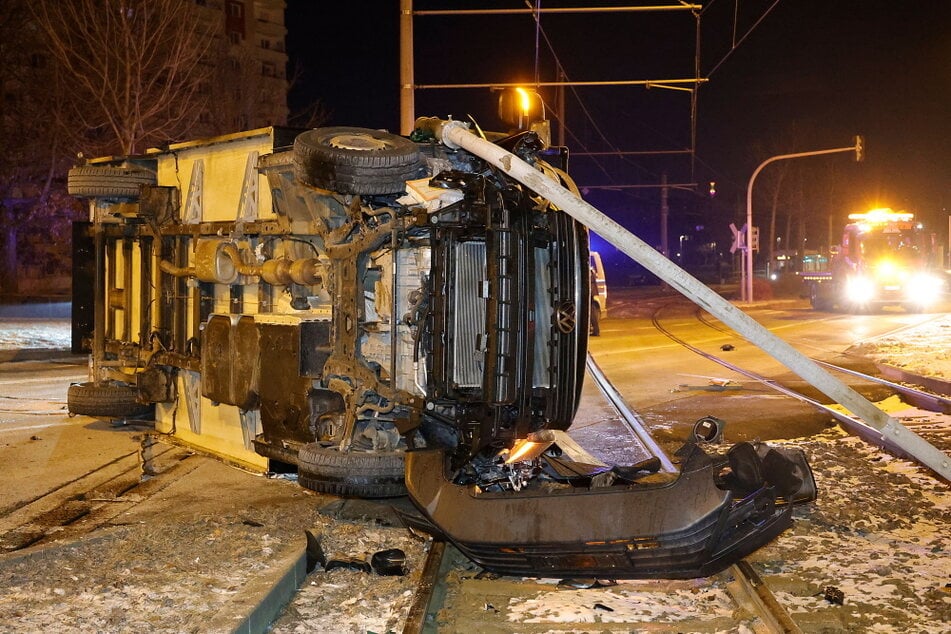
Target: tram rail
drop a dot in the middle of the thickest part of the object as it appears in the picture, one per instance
(919, 398)
(929, 400)
(87, 501)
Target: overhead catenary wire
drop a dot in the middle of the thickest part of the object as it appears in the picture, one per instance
(540, 33)
(734, 42)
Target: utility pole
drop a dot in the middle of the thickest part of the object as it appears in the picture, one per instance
(664, 211)
(560, 100)
(407, 98)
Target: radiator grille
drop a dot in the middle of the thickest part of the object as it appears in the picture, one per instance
(468, 318)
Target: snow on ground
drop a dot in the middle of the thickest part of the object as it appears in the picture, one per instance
(924, 349)
(22, 334)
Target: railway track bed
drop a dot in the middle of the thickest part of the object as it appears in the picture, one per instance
(188, 563)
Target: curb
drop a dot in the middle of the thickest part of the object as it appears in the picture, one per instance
(254, 609)
(933, 384)
(42, 354)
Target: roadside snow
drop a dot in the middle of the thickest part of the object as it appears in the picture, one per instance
(923, 349)
(23, 334)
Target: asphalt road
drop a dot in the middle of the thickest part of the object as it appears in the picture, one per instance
(670, 386)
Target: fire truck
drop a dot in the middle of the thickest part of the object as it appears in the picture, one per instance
(886, 257)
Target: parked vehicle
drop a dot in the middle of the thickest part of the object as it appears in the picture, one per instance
(599, 294)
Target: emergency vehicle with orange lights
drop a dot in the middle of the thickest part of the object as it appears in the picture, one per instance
(886, 257)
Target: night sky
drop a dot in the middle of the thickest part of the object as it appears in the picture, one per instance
(810, 76)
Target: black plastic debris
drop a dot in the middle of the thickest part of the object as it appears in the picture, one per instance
(833, 595)
(719, 509)
(727, 347)
(602, 608)
(314, 552)
(348, 563)
(587, 583)
(630, 473)
(389, 563)
(708, 429)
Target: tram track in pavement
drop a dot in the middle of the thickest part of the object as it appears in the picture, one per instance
(919, 398)
(92, 499)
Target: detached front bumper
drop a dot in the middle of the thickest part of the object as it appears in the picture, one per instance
(682, 529)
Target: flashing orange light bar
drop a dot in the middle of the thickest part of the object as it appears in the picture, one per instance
(883, 214)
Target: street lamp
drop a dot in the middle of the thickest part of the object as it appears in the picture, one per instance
(858, 148)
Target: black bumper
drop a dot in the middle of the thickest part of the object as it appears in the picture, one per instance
(683, 529)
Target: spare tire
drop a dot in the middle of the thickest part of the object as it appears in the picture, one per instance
(105, 400)
(351, 473)
(356, 160)
(101, 181)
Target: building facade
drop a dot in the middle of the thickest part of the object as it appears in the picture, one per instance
(249, 81)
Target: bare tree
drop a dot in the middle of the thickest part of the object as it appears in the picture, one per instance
(138, 68)
(315, 113)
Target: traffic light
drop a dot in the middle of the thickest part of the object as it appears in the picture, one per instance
(713, 189)
(859, 148)
(754, 238)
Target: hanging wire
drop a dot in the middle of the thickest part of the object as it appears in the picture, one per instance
(541, 33)
(537, 16)
(735, 44)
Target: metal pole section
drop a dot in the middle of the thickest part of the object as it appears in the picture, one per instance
(560, 99)
(649, 83)
(99, 294)
(455, 134)
(407, 101)
(640, 429)
(554, 10)
(664, 211)
(749, 206)
(743, 296)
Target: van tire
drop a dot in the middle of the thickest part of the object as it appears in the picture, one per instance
(107, 182)
(356, 160)
(104, 400)
(351, 473)
(595, 320)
